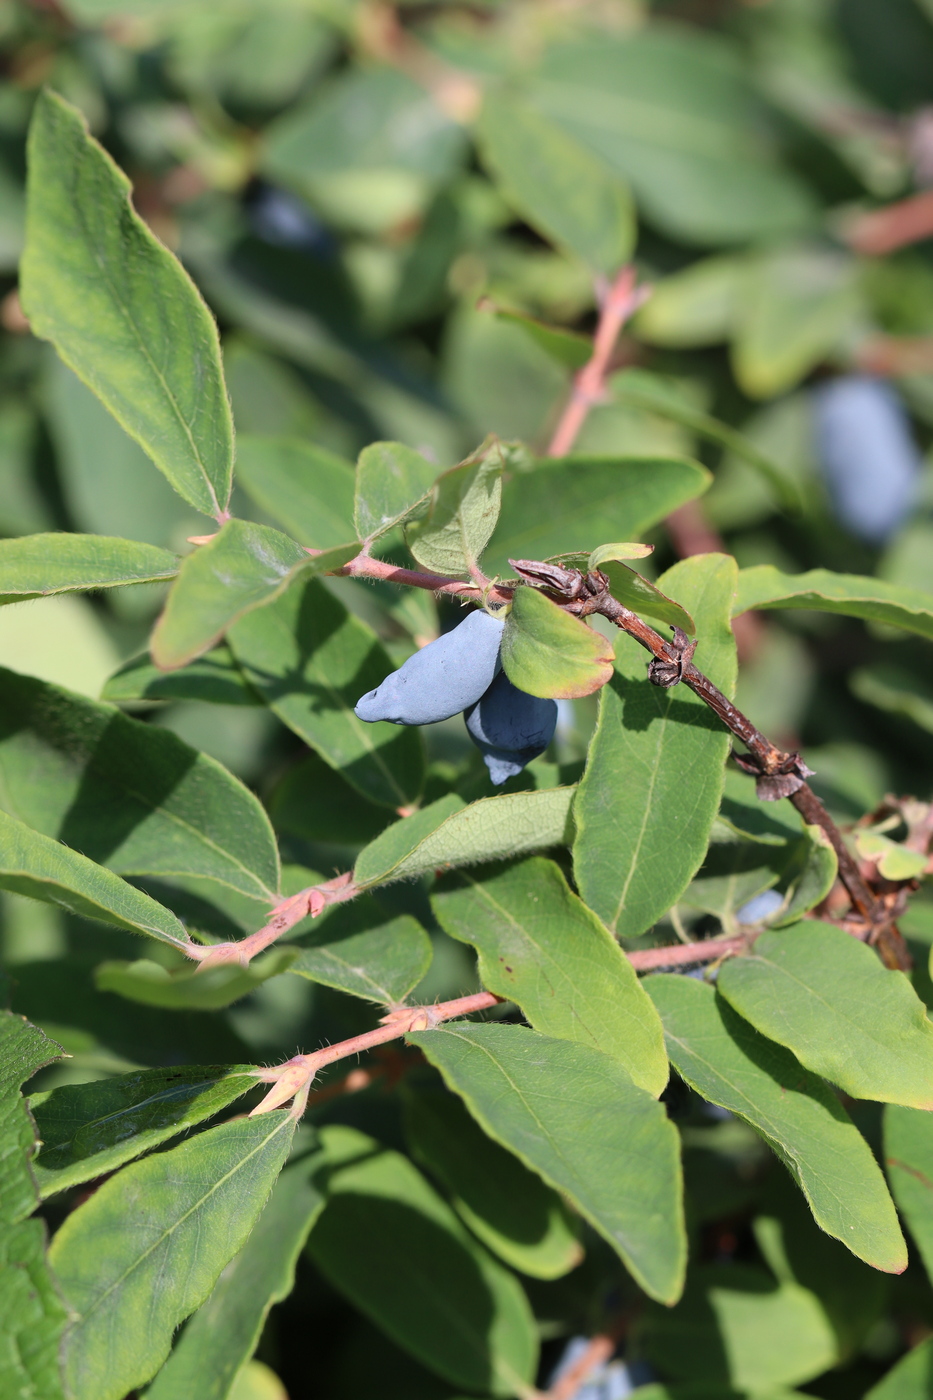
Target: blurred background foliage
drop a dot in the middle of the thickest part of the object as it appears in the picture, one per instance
(385, 207)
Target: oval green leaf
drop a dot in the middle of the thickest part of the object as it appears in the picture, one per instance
(121, 310)
(827, 997)
(34, 566)
(548, 652)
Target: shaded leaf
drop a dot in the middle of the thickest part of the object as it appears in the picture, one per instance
(909, 1378)
(542, 948)
(224, 1332)
(188, 988)
(214, 677)
(311, 660)
(651, 789)
(908, 1156)
(128, 794)
(36, 565)
(88, 1130)
(550, 653)
(732, 1065)
(574, 1116)
(736, 1326)
(133, 1275)
(507, 1206)
(827, 997)
(821, 590)
(557, 185)
(380, 1207)
(244, 566)
(364, 953)
(120, 309)
(574, 502)
(642, 389)
(673, 113)
(797, 304)
(462, 513)
(305, 488)
(33, 1316)
(44, 869)
(491, 829)
(391, 481)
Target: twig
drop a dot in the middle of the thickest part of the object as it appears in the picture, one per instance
(908, 221)
(293, 1078)
(683, 954)
(589, 385)
(291, 911)
(364, 566)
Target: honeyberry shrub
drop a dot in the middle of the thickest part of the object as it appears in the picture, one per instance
(409, 224)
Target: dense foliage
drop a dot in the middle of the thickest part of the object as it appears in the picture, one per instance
(462, 913)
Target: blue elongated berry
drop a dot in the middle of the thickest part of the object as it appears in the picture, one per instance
(441, 679)
(510, 727)
(868, 457)
(761, 907)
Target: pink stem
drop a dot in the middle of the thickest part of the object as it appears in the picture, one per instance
(363, 566)
(678, 954)
(589, 385)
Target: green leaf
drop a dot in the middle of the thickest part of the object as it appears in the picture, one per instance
(311, 660)
(642, 389)
(32, 1317)
(574, 502)
(222, 1335)
(462, 514)
(120, 309)
(696, 306)
(128, 794)
(548, 652)
(852, 1294)
(244, 566)
(380, 963)
(451, 1304)
(737, 1327)
(823, 591)
(492, 829)
(568, 348)
(391, 481)
(909, 1379)
(132, 1276)
(574, 1116)
(797, 305)
(672, 111)
(305, 488)
(89, 1130)
(188, 988)
(726, 1060)
(827, 997)
(506, 1206)
(896, 691)
(561, 189)
(542, 948)
(36, 565)
(44, 869)
(214, 677)
(633, 591)
(908, 1156)
(617, 551)
(654, 776)
(895, 861)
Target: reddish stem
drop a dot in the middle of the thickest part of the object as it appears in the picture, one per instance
(589, 385)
